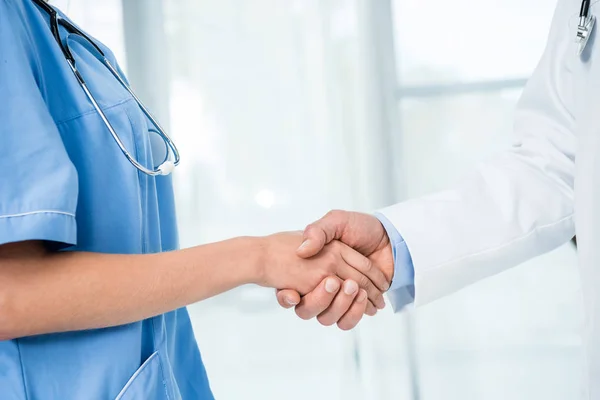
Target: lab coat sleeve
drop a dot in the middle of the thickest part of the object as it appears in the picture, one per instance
(38, 182)
(513, 207)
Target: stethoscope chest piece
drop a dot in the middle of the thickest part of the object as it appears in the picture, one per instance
(584, 31)
(585, 26)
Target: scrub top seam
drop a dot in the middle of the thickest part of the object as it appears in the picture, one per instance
(164, 381)
(157, 349)
(23, 379)
(38, 62)
(25, 214)
(139, 185)
(92, 111)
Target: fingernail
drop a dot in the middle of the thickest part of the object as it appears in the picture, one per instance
(304, 244)
(332, 285)
(362, 296)
(350, 287)
(290, 301)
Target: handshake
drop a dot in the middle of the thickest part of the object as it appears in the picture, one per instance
(337, 270)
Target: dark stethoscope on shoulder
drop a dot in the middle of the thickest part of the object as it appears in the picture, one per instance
(586, 25)
(172, 154)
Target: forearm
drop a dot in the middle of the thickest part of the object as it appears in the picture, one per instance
(55, 292)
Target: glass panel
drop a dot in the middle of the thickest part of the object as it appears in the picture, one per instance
(512, 336)
(249, 107)
(460, 40)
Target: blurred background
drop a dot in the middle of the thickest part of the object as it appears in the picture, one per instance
(284, 109)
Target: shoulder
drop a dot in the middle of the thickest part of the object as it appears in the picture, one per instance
(15, 11)
(22, 27)
(18, 22)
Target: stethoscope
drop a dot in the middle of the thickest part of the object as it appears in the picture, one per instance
(172, 158)
(585, 27)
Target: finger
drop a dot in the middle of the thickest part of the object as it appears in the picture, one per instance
(315, 238)
(347, 271)
(365, 267)
(321, 232)
(371, 309)
(371, 306)
(355, 314)
(317, 301)
(340, 305)
(288, 298)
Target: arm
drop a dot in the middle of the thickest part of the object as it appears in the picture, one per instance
(512, 208)
(517, 205)
(42, 291)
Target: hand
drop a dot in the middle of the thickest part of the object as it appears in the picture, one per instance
(330, 304)
(282, 268)
(362, 232)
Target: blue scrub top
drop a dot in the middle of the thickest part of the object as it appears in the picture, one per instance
(63, 180)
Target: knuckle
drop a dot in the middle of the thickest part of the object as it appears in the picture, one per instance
(325, 321)
(322, 299)
(372, 306)
(326, 297)
(332, 261)
(345, 325)
(333, 213)
(371, 309)
(303, 313)
(334, 217)
(364, 282)
(309, 229)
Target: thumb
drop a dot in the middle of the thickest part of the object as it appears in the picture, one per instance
(320, 233)
(314, 239)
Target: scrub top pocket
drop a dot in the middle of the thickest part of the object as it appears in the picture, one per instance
(147, 383)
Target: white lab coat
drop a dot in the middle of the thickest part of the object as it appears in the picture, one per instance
(522, 203)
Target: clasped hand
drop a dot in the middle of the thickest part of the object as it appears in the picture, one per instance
(336, 270)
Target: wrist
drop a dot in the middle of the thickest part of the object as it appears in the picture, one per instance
(255, 259)
(242, 256)
(388, 268)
